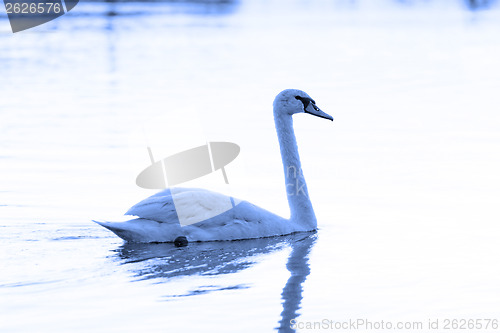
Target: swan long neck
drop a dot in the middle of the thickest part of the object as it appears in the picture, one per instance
(301, 210)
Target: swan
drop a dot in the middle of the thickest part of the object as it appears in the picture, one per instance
(157, 219)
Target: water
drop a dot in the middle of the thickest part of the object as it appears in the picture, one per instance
(404, 182)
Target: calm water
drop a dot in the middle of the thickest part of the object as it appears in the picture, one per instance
(404, 182)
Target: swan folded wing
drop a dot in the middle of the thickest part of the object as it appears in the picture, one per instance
(186, 205)
(159, 208)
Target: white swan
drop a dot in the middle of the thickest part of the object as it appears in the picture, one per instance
(157, 218)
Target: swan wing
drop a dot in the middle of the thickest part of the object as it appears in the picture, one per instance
(186, 205)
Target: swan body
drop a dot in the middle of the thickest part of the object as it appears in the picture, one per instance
(157, 217)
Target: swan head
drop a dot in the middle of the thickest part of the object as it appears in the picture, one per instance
(292, 101)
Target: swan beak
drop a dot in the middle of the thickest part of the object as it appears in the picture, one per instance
(315, 111)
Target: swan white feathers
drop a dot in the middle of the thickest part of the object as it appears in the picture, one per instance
(157, 219)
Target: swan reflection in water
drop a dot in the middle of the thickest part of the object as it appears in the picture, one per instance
(163, 261)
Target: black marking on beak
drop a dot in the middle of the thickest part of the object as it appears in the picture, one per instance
(306, 101)
(310, 103)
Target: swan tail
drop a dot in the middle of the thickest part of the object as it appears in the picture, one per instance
(142, 230)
